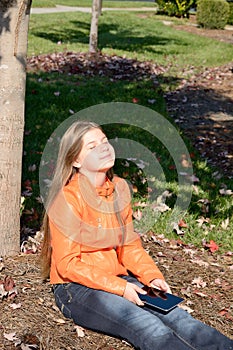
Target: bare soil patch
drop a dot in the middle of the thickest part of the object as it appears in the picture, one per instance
(202, 105)
(225, 35)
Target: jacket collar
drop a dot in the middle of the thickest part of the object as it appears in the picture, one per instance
(106, 190)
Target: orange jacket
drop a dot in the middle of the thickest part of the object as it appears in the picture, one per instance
(86, 237)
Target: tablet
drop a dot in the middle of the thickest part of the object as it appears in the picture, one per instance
(160, 300)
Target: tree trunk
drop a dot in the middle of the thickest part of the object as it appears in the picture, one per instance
(93, 42)
(100, 7)
(14, 19)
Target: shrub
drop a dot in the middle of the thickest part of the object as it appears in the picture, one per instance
(230, 18)
(212, 14)
(179, 8)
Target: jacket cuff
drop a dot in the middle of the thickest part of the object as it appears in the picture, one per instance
(147, 278)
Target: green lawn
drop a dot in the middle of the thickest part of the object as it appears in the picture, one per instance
(88, 3)
(142, 37)
(51, 97)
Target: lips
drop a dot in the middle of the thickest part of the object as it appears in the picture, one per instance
(106, 156)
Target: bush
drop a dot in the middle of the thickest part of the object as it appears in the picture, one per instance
(212, 14)
(178, 8)
(230, 18)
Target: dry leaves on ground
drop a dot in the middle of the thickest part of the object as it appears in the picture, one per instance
(31, 316)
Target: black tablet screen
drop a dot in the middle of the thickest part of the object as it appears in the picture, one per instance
(159, 299)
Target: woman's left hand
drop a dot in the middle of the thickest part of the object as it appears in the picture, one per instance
(160, 284)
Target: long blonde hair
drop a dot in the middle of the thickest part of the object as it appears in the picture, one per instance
(70, 148)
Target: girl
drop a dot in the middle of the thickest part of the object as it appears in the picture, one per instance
(97, 263)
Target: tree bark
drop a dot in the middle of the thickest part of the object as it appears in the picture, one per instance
(100, 7)
(93, 40)
(14, 20)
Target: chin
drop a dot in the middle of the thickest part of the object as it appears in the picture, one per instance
(108, 165)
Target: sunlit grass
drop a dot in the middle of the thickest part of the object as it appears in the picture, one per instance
(142, 37)
(88, 3)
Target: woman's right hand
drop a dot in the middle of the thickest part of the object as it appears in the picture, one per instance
(131, 293)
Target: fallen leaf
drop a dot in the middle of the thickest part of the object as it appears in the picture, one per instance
(28, 346)
(217, 297)
(182, 223)
(137, 214)
(200, 262)
(223, 312)
(8, 283)
(225, 192)
(186, 291)
(15, 306)
(10, 336)
(225, 223)
(79, 331)
(198, 281)
(200, 294)
(205, 205)
(177, 230)
(189, 251)
(186, 308)
(2, 266)
(151, 101)
(3, 292)
(202, 220)
(32, 168)
(213, 247)
(218, 281)
(60, 320)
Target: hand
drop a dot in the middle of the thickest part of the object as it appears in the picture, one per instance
(160, 284)
(131, 293)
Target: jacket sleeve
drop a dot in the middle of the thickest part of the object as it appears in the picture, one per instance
(133, 255)
(136, 260)
(66, 249)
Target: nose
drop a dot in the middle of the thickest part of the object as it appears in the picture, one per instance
(104, 147)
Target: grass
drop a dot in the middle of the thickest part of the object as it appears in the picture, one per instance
(142, 37)
(88, 3)
(132, 36)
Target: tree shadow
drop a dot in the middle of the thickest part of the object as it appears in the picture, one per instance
(109, 36)
(5, 17)
(5, 20)
(206, 116)
(64, 34)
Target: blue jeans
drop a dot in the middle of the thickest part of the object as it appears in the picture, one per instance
(144, 328)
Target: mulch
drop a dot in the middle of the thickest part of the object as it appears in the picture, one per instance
(202, 106)
(30, 316)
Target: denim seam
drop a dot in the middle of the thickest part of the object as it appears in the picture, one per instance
(185, 341)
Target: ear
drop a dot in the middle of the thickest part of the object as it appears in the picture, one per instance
(76, 164)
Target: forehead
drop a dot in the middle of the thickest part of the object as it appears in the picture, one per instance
(93, 135)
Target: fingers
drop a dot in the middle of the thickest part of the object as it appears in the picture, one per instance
(161, 284)
(131, 293)
(139, 290)
(137, 300)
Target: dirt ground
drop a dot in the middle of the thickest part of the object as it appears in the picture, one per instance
(202, 107)
(203, 279)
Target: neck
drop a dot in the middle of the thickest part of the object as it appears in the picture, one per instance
(96, 179)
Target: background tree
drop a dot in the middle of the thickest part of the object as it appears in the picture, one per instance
(96, 11)
(14, 19)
